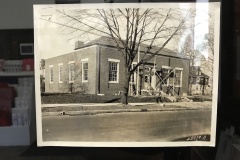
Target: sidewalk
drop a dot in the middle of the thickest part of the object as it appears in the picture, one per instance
(99, 108)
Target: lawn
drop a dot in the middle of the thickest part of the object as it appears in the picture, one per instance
(59, 98)
(89, 98)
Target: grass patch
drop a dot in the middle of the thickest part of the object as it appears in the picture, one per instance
(89, 98)
(61, 98)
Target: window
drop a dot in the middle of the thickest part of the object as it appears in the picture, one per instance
(178, 78)
(165, 75)
(60, 72)
(51, 73)
(113, 70)
(191, 79)
(85, 71)
(199, 73)
(206, 81)
(198, 79)
(134, 75)
(146, 78)
(71, 71)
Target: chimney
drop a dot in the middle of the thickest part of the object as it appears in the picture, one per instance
(78, 44)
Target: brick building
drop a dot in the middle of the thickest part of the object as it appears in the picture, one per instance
(97, 68)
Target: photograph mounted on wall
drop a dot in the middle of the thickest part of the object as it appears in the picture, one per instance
(126, 75)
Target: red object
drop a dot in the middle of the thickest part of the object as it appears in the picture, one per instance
(3, 85)
(5, 113)
(7, 93)
(28, 64)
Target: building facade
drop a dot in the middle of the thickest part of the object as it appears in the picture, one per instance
(198, 81)
(97, 67)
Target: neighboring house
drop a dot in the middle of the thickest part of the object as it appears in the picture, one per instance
(198, 81)
(97, 67)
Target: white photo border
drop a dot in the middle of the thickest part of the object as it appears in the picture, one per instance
(40, 142)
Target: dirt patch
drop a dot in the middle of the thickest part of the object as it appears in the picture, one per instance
(200, 98)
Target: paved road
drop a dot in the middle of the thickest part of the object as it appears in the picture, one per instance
(140, 126)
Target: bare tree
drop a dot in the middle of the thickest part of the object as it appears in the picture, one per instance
(128, 28)
(71, 76)
(208, 45)
(188, 48)
(207, 62)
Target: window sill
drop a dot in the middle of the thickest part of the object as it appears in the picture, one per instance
(177, 86)
(113, 82)
(84, 81)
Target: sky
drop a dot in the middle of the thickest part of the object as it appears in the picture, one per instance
(51, 41)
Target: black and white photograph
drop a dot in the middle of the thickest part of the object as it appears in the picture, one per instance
(126, 74)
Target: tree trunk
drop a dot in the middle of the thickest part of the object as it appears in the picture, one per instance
(125, 88)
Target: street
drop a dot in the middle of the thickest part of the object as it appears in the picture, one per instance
(137, 126)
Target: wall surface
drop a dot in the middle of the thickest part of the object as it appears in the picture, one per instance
(114, 88)
(77, 57)
(18, 14)
(106, 87)
(10, 41)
